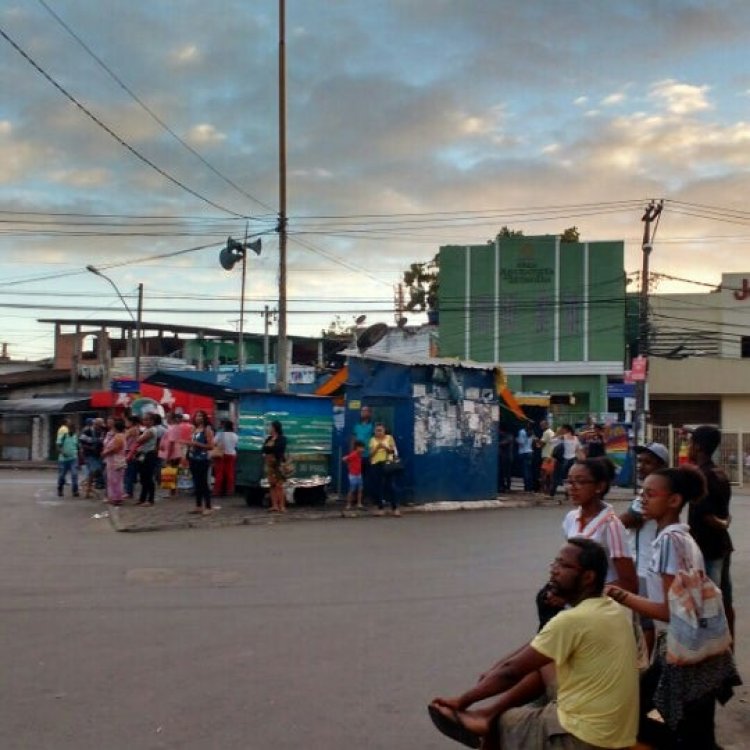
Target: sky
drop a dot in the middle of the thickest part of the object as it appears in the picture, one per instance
(141, 129)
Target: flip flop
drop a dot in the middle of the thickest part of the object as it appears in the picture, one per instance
(453, 728)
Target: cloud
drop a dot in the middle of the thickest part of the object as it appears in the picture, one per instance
(81, 178)
(205, 134)
(188, 54)
(613, 99)
(680, 98)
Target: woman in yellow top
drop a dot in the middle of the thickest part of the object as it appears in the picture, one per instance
(382, 449)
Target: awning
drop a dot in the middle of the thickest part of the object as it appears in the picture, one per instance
(169, 398)
(45, 405)
(533, 399)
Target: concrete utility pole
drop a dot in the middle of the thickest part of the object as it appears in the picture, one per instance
(651, 214)
(282, 379)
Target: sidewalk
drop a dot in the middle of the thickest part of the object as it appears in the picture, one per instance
(173, 513)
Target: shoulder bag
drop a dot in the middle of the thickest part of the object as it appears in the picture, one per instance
(698, 627)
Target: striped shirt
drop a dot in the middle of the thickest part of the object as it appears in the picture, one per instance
(605, 528)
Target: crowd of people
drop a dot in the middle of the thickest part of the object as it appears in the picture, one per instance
(609, 665)
(120, 455)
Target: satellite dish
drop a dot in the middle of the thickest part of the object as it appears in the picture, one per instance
(360, 319)
(230, 254)
(371, 335)
(401, 322)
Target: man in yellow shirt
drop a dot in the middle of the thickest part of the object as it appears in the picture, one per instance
(592, 648)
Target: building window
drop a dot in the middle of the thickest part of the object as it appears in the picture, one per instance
(745, 347)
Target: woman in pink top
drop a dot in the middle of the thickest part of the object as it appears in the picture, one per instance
(115, 461)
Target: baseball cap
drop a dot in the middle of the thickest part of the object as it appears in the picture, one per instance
(657, 449)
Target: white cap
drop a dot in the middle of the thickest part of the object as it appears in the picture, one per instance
(657, 449)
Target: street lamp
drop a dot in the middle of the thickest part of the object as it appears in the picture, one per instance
(137, 320)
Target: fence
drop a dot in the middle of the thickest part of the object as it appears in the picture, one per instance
(732, 455)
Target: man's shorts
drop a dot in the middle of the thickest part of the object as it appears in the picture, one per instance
(355, 482)
(536, 727)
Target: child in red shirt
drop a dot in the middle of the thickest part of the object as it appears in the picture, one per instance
(353, 462)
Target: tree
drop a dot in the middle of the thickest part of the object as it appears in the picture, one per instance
(338, 328)
(571, 234)
(505, 231)
(421, 281)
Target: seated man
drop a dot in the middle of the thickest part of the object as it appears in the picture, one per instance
(592, 648)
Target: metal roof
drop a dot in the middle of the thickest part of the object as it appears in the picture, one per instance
(416, 360)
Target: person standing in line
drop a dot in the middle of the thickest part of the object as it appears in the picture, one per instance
(383, 451)
(274, 454)
(363, 431)
(144, 453)
(353, 463)
(651, 458)
(91, 440)
(201, 442)
(132, 433)
(225, 465)
(525, 454)
(115, 461)
(709, 517)
(67, 458)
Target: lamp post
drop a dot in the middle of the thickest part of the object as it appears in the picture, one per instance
(137, 319)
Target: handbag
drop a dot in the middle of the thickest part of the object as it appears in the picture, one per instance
(698, 627)
(393, 467)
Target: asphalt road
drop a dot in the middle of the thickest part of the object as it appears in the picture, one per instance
(328, 634)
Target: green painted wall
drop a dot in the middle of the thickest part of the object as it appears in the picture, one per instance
(511, 301)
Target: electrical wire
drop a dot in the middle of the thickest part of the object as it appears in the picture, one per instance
(148, 110)
(112, 133)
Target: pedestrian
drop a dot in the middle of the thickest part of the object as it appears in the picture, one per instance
(684, 695)
(584, 661)
(709, 518)
(144, 453)
(546, 445)
(382, 452)
(505, 457)
(571, 449)
(596, 442)
(363, 431)
(91, 441)
(353, 461)
(225, 459)
(274, 454)
(650, 458)
(132, 433)
(115, 460)
(525, 451)
(201, 442)
(67, 458)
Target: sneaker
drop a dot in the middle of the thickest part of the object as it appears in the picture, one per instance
(59, 491)
(397, 514)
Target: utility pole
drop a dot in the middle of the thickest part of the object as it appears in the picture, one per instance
(266, 353)
(282, 378)
(138, 323)
(241, 341)
(651, 214)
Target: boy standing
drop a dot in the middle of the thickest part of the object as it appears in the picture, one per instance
(353, 462)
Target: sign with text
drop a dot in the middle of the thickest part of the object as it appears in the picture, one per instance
(638, 369)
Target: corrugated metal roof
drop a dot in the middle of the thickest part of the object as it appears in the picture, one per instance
(419, 361)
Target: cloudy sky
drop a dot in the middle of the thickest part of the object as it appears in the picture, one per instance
(411, 124)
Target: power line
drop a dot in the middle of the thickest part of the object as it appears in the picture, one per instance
(147, 109)
(112, 133)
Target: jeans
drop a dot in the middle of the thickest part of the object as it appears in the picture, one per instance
(63, 467)
(199, 470)
(94, 468)
(146, 470)
(131, 476)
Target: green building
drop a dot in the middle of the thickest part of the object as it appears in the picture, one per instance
(551, 313)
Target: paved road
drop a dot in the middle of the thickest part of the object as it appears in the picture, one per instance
(308, 635)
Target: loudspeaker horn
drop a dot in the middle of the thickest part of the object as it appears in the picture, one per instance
(254, 246)
(230, 254)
